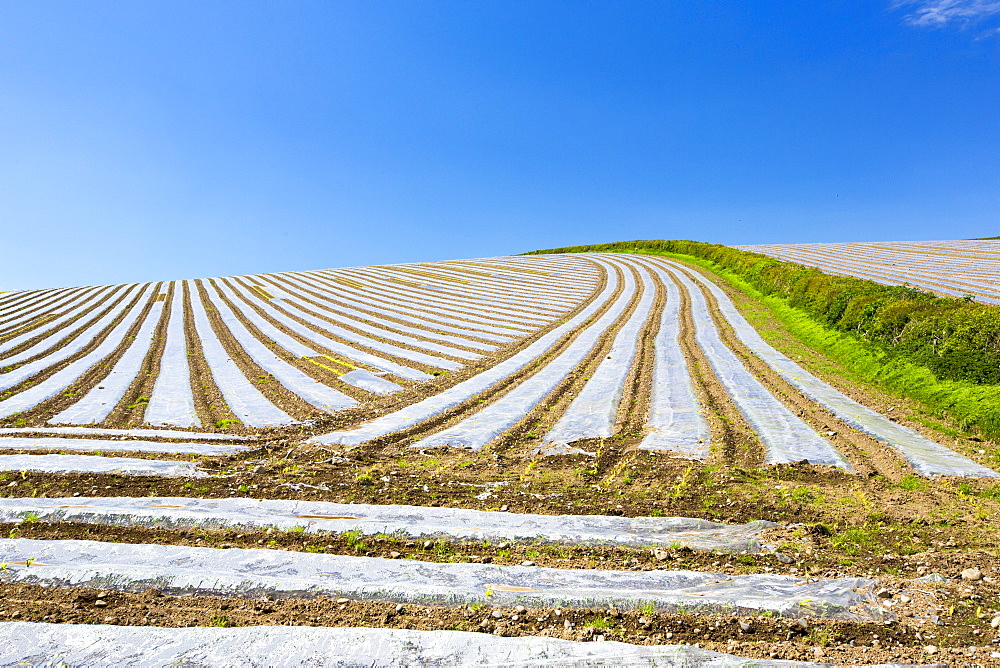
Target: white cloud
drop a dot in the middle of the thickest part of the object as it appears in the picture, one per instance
(936, 13)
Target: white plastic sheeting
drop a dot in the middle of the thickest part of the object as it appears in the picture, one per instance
(180, 570)
(363, 379)
(347, 351)
(480, 428)
(89, 298)
(42, 644)
(396, 294)
(376, 331)
(84, 338)
(308, 388)
(460, 297)
(423, 358)
(98, 445)
(135, 433)
(66, 376)
(343, 287)
(172, 402)
(428, 408)
(786, 437)
(675, 421)
(427, 328)
(924, 455)
(244, 399)
(408, 521)
(95, 406)
(92, 464)
(593, 412)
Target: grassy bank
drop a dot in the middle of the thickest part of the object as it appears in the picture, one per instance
(969, 405)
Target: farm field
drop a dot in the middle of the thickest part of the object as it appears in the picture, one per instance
(948, 268)
(573, 448)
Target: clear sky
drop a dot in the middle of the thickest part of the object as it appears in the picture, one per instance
(157, 140)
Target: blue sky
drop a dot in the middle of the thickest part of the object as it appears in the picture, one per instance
(159, 140)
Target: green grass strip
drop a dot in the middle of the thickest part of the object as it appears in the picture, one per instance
(973, 407)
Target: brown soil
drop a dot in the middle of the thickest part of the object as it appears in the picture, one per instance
(880, 523)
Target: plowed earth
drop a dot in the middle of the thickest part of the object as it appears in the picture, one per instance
(881, 521)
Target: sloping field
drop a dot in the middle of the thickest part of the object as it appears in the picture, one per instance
(948, 268)
(343, 447)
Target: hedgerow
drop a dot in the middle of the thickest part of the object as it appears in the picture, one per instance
(956, 339)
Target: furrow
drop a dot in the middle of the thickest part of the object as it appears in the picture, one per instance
(245, 400)
(477, 430)
(66, 376)
(786, 437)
(593, 412)
(337, 347)
(84, 332)
(456, 395)
(360, 339)
(314, 295)
(675, 420)
(95, 406)
(925, 456)
(285, 298)
(172, 401)
(310, 390)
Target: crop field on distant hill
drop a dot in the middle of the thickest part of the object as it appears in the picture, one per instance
(951, 268)
(493, 445)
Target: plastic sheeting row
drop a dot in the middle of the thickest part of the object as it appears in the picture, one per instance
(42, 644)
(409, 521)
(180, 570)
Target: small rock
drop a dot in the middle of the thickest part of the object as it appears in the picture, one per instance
(497, 614)
(100, 603)
(784, 558)
(394, 555)
(661, 555)
(411, 544)
(973, 574)
(527, 563)
(428, 544)
(803, 624)
(818, 651)
(745, 626)
(930, 649)
(567, 624)
(503, 546)
(668, 636)
(503, 508)
(520, 609)
(343, 600)
(883, 593)
(995, 622)
(399, 607)
(904, 599)
(102, 594)
(643, 621)
(109, 619)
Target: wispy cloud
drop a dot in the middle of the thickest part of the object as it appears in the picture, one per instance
(939, 13)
